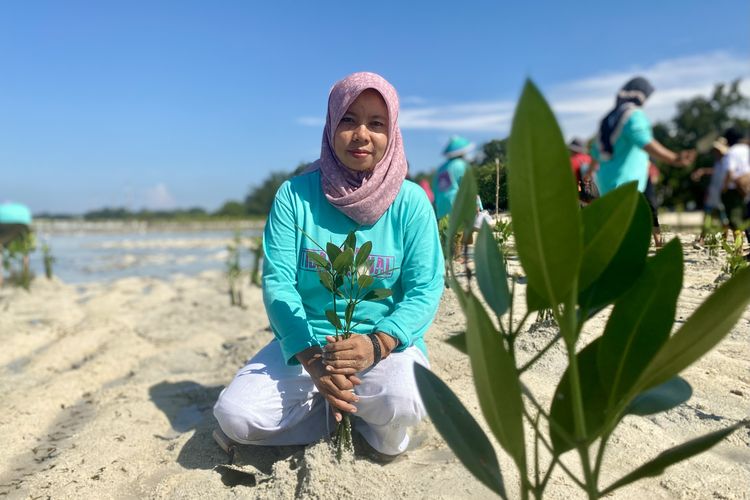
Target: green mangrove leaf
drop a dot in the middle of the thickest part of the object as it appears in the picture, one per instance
(496, 380)
(365, 281)
(363, 253)
(378, 294)
(350, 242)
(490, 271)
(708, 325)
(344, 261)
(663, 397)
(458, 341)
(333, 251)
(326, 280)
(318, 260)
(640, 323)
(464, 211)
(605, 223)
(626, 265)
(459, 429)
(672, 456)
(333, 319)
(543, 199)
(594, 403)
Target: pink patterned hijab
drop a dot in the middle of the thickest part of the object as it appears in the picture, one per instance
(362, 196)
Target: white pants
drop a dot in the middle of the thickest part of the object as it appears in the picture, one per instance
(270, 403)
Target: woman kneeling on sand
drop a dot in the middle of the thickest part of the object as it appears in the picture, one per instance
(282, 395)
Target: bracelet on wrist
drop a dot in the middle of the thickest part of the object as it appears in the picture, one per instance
(377, 353)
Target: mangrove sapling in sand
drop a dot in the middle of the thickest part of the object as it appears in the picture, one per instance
(233, 270)
(577, 262)
(712, 242)
(734, 259)
(16, 259)
(257, 252)
(48, 259)
(346, 271)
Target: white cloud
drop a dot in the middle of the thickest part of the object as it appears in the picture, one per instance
(580, 104)
(159, 198)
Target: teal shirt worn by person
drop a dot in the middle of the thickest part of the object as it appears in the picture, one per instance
(445, 185)
(629, 160)
(405, 252)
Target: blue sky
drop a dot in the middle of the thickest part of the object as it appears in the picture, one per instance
(166, 104)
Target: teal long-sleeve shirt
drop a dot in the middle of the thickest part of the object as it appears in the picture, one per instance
(405, 251)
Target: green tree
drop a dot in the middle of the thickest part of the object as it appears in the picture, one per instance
(260, 198)
(231, 208)
(485, 171)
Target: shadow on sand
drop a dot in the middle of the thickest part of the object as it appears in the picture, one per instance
(188, 406)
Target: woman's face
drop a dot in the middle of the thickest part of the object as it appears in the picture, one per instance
(361, 136)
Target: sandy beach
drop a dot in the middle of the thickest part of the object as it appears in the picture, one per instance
(108, 389)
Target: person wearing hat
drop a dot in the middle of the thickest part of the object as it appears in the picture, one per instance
(448, 176)
(580, 162)
(625, 142)
(712, 205)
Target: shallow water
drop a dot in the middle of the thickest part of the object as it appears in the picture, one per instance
(86, 257)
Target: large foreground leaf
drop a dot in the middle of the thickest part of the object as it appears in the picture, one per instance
(459, 429)
(708, 325)
(543, 199)
(496, 380)
(490, 271)
(605, 223)
(458, 341)
(672, 456)
(640, 323)
(626, 265)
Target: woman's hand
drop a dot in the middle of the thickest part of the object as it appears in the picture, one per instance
(335, 388)
(350, 356)
(347, 357)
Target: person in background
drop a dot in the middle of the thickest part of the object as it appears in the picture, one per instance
(282, 396)
(581, 162)
(449, 174)
(713, 208)
(736, 195)
(625, 141)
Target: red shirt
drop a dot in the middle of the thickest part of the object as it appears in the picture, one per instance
(577, 160)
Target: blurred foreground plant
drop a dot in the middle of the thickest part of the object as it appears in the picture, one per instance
(577, 262)
(346, 272)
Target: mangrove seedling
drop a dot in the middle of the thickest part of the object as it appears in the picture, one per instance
(233, 270)
(734, 260)
(48, 260)
(346, 272)
(257, 252)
